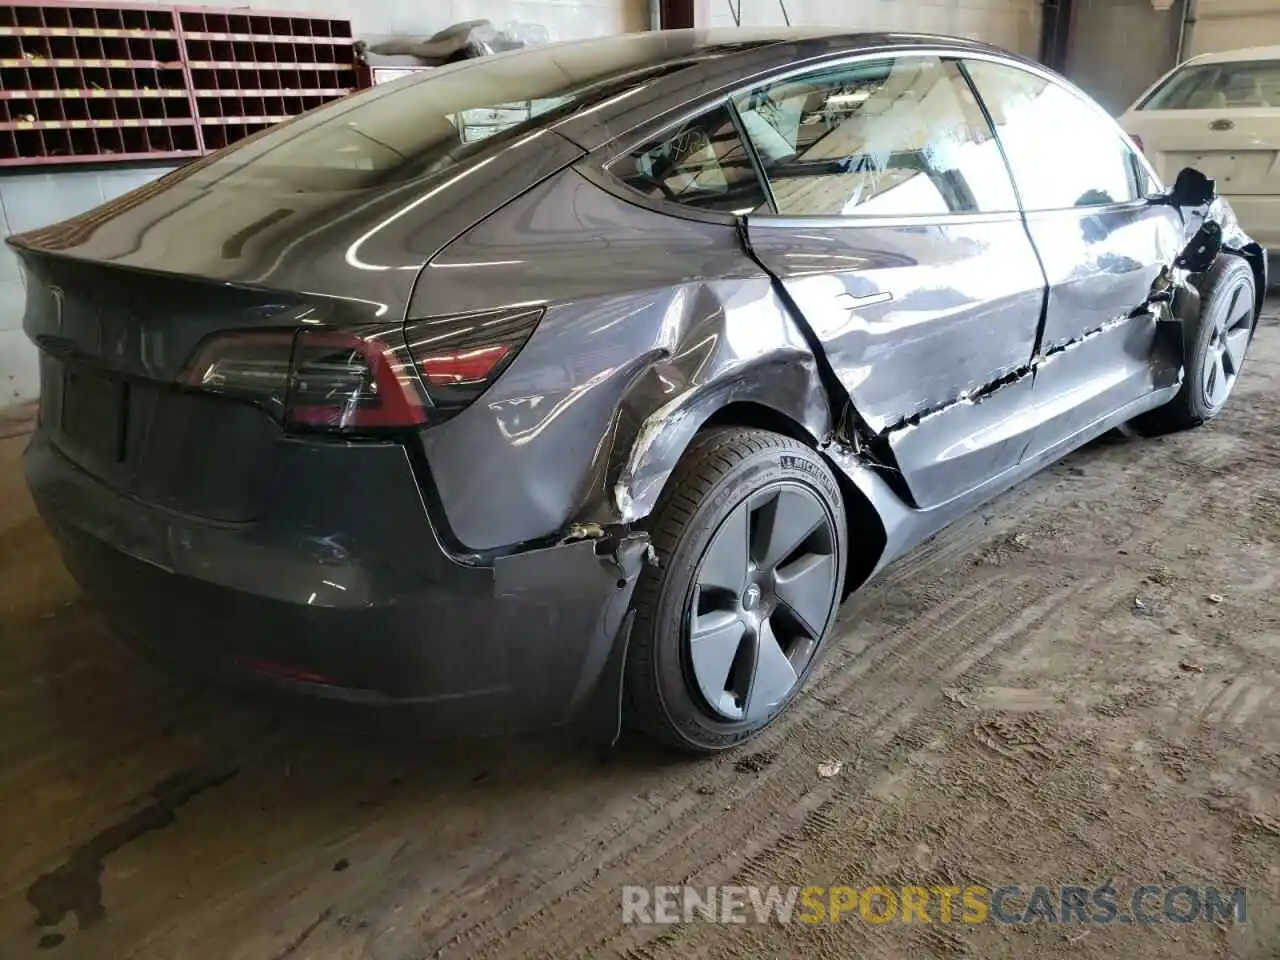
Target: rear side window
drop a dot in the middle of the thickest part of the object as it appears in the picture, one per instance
(899, 137)
(1218, 86)
(703, 163)
(1064, 151)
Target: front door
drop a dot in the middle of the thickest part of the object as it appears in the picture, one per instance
(1102, 245)
(896, 234)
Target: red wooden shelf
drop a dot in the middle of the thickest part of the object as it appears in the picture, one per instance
(264, 121)
(108, 32)
(108, 82)
(329, 93)
(264, 65)
(94, 124)
(251, 38)
(140, 157)
(39, 63)
(90, 94)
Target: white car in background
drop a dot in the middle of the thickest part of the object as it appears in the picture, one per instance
(1220, 113)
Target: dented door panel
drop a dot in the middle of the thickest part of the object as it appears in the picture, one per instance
(1108, 369)
(1100, 264)
(1099, 350)
(963, 445)
(919, 319)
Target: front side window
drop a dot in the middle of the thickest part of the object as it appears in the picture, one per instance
(1218, 86)
(1064, 151)
(899, 137)
(703, 163)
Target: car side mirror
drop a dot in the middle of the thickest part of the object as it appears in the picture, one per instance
(1192, 189)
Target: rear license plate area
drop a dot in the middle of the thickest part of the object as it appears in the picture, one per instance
(93, 415)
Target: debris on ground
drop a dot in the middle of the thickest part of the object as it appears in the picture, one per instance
(1145, 607)
(830, 768)
(755, 762)
(956, 696)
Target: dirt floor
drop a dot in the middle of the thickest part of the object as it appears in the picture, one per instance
(1079, 683)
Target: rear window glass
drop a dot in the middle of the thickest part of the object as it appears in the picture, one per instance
(702, 163)
(429, 121)
(1216, 86)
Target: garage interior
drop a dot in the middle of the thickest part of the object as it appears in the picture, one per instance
(1079, 682)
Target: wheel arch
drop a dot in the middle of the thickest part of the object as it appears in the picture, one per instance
(1256, 257)
(867, 537)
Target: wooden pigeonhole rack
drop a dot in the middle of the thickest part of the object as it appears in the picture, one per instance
(93, 83)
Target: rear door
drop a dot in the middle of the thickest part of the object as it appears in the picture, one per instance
(1100, 240)
(895, 231)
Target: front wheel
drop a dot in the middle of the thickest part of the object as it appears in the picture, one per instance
(1217, 342)
(750, 534)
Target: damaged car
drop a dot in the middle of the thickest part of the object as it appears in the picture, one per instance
(585, 382)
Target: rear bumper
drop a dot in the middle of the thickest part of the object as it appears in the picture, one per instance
(341, 591)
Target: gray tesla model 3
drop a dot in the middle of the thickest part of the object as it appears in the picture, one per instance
(585, 382)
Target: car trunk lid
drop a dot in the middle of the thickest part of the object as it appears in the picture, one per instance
(1236, 147)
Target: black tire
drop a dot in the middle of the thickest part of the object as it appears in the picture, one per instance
(724, 471)
(1227, 283)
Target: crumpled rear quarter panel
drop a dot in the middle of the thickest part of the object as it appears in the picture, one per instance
(653, 323)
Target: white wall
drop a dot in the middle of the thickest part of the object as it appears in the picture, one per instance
(1012, 24)
(1231, 24)
(1118, 48)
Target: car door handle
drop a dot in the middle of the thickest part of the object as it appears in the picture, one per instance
(850, 302)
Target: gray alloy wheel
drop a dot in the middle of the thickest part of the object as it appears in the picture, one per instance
(761, 599)
(1216, 344)
(751, 538)
(1228, 341)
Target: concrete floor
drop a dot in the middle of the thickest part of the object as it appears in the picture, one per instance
(1003, 705)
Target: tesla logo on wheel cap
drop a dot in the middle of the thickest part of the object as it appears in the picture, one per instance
(1222, 125)
(751, 597)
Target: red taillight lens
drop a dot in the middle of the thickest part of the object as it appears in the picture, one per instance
(462, 367)
(459, 356)
(366, 380)
(314, 379)
(345, 382)
(254, 366)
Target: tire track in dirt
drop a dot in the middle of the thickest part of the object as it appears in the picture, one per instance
(833, 817)
(721, 782)
(794, 807)
(673, 844)
(938, 716)
(646, 824)
(982, 623)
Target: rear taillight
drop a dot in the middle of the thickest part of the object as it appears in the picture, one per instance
(458, 357)
(313, 378)
(367, 380)
(342, 381)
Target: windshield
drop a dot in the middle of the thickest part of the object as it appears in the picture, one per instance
(426, 122)
(1217, 86)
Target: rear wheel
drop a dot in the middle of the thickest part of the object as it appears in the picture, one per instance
(750, 535)
(1216, 346)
